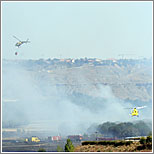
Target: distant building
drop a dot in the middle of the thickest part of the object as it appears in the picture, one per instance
(98, 60)
(62, 60)
(113, 60)
(73, 61)
(91, 60)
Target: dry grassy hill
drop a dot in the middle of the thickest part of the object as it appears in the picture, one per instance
(134, 147)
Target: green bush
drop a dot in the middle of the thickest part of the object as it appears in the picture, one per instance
(115, 143)
(149, 142)
(59, 149)
(149, 139)
(142, 147)
(84, 143)
(90, 142)
(41, 150)
(102, 142)
(69, 147)
(143, 140)
(125, 129)
(149, 146)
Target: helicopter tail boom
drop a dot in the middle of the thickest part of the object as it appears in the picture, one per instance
(27, 41)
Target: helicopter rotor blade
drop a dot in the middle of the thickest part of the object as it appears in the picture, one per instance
(141, 107)
(129, 108)
(16, 38)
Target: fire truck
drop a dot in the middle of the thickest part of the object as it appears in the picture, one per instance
(75, 137)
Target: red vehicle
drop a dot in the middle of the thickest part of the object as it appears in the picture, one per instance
(75, 137)
(54, 138)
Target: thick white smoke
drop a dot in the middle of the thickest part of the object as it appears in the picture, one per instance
(49, 107)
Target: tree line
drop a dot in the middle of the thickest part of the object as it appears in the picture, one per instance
(124, 129)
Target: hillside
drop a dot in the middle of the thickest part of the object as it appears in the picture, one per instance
(128, 79)
(52, 93)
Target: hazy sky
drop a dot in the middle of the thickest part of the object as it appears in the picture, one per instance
(77, 29)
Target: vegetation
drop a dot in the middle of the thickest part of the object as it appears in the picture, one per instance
(59, 149)
(69, 147)
(41, 150)
(149, 139)
(125, 129)
(144, 145)
(111, 148)
(114, 143)
(143, 140)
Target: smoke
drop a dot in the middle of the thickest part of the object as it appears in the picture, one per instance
(41, 105)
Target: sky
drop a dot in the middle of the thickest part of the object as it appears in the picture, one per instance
(77, 29)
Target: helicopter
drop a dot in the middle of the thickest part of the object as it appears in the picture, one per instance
(18, 44)
(135, 111)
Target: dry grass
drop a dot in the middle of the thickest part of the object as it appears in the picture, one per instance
(111, 148)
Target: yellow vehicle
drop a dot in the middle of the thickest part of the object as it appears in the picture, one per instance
(32, 139)
(26, 140)
(35, 139)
